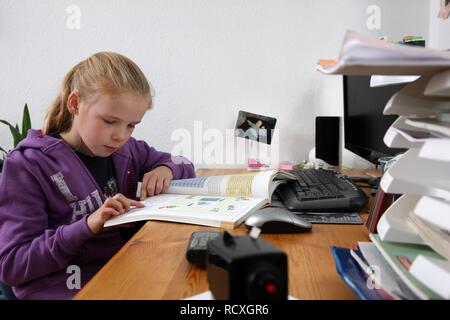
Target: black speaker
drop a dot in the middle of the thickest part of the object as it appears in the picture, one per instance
(327, 139)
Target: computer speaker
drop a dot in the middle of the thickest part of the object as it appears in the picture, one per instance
(327, 139)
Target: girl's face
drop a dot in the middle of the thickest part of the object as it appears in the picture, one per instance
(106, 122)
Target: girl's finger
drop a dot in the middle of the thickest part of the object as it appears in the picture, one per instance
(136, 203)
(166, 184)
(110, 212)
(123, 200)
(151, 186)
(144, 186)
(114, 203)
(159, 186)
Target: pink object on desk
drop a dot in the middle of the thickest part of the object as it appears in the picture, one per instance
(289, 165)
(255, 163)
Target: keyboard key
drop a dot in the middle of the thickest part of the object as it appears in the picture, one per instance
(332, 218)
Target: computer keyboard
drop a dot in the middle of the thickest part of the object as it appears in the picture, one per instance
(331, 218)
(319, 190)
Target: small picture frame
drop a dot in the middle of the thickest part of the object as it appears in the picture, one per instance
(255, 127)
(444, 10)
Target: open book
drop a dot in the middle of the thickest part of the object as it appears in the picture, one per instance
(220, 201)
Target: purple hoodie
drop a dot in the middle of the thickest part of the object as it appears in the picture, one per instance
(46, 194)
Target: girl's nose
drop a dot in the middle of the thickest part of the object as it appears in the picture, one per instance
(119, 135)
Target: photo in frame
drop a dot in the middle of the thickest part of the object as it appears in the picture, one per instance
(444, 9)
(255, 127)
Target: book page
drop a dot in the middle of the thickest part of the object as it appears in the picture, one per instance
(203, 210)
(436, 237)
(251, 184)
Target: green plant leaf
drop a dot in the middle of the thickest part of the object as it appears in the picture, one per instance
(6, 122)
(26, 121)
(17, 136)
(15, 132)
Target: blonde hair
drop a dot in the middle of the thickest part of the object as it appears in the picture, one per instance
(106, 72)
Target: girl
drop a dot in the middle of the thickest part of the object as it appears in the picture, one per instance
(59, 186)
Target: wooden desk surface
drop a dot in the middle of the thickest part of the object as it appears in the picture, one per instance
(152, 265)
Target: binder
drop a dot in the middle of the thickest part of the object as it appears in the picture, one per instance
(353, 275)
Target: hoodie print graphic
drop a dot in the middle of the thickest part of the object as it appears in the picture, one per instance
(110, 189)
(80, 208)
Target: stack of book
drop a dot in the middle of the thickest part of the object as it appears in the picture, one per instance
(409, 258)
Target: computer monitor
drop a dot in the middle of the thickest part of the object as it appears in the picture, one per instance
(364, 122)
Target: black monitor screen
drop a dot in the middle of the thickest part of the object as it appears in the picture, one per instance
(364, 122)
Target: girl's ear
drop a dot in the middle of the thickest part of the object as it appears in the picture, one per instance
(73, 101)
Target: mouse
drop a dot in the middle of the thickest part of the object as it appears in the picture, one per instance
(277, 220)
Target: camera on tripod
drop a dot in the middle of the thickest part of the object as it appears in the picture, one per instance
(246, 268)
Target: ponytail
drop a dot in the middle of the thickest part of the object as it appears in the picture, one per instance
(58, 118)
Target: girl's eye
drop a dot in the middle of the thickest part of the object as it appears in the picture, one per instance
(108, 122)
(131, 126)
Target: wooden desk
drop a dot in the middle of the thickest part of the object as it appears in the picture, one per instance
(152, 265)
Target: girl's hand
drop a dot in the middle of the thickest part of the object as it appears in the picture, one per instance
(156, 181)
(112, 207)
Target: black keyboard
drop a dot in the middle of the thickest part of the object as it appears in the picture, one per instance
(319, 190)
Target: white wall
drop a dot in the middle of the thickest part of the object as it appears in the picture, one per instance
(206, 59)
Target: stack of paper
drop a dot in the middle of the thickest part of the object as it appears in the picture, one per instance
(364, 56)
(421, 216)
